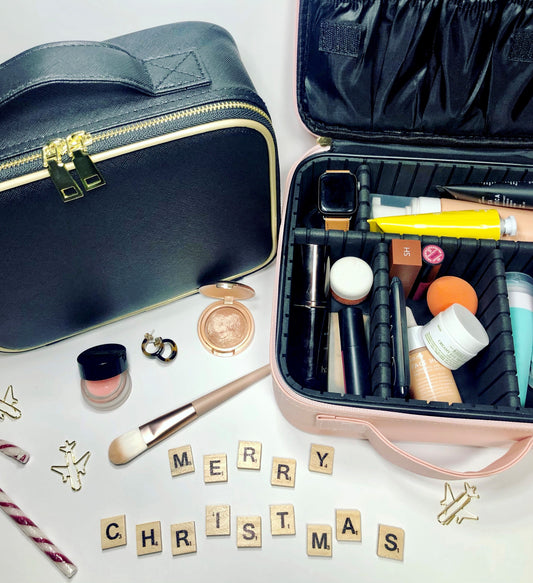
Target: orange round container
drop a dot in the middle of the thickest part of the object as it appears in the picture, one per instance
(448, 290)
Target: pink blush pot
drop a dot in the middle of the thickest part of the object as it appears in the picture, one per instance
(105, 380)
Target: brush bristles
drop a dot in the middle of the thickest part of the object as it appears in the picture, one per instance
(126, 447)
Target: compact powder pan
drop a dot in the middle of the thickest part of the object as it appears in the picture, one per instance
(226, 327)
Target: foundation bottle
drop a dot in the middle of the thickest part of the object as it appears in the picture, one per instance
(430, 380)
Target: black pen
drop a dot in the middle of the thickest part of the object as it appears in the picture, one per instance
(399, 345)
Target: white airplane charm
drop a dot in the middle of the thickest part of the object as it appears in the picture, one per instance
(7, 405)
(454, 507)
(73, 468)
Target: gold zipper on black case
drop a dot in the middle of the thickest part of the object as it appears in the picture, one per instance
(76, 146)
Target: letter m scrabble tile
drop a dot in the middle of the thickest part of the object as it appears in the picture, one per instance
(181, 460)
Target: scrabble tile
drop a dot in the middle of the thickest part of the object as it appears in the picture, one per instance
(181, 460)
(321, 459)
(249, 531)
(217, 520)
(183, 538)
(215, 468)
(282, 519)
(348, 525)
(319, 540)
(283, 472)
(391, 542)
(149, 538)
(249, 455)
(113, 531)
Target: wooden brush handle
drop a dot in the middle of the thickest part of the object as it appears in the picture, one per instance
(214, 398)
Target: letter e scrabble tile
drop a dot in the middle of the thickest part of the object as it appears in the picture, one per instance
(183, 538)
(249, 531)
(391, 542)
(283, 472)
(319, 540)
(113, 531)
(217, 520)
(321, 459)
(215, 468)
(148, 538)
(348, 525)
(282, 519)
(181, 460)
(249, 455)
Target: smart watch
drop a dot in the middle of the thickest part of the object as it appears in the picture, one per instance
(337, 198)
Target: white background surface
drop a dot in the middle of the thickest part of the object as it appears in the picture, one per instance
(46, 382)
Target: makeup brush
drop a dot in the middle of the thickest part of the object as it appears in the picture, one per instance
(131, 444)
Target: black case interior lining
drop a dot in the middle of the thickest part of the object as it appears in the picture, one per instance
(429, 71)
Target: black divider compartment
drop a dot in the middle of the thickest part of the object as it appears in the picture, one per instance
(488, 383)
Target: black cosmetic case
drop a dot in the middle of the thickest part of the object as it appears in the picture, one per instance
(410, 95)
(132, 172)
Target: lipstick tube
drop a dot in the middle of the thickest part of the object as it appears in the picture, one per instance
(308, 318)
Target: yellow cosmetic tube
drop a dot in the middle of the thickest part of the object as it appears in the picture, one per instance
(480, 224)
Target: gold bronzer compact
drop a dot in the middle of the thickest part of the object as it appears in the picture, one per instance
(226, 327)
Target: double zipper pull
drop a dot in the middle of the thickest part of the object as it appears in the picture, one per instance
(88, 172)
(67, 187)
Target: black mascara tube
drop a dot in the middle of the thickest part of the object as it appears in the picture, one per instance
(354, 351)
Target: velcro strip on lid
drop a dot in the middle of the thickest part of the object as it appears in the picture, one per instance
(340, 38)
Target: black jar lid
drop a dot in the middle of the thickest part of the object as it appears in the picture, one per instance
(102, 362)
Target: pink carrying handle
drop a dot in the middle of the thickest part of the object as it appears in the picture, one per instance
(400, 457)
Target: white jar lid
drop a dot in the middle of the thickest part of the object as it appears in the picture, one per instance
(350, 280)
(455, 336)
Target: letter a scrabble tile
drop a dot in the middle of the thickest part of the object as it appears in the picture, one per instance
(148, 538)
(391, 542)
(321, 459)
(348, 525)
(113, 531)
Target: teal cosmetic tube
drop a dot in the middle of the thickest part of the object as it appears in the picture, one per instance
(520, 294)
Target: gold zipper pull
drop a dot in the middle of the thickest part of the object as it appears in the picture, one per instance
(53, 154)
(77, 149)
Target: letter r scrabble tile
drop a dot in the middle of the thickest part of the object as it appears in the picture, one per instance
(321, 459)
(283, 472)
(113, 531)
(215, 468)
(148, 538)
(183, 538)
(249, 456)
(391, 542)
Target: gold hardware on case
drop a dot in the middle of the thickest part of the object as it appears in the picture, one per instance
(88, 172)
(53, 154)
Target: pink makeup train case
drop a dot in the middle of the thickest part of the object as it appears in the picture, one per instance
(407, 96)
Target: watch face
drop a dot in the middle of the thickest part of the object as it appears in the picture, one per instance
(337, 193)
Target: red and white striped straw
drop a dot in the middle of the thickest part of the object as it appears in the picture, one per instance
(13, 451)
(33, 532)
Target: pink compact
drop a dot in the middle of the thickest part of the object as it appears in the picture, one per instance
(105, 380)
